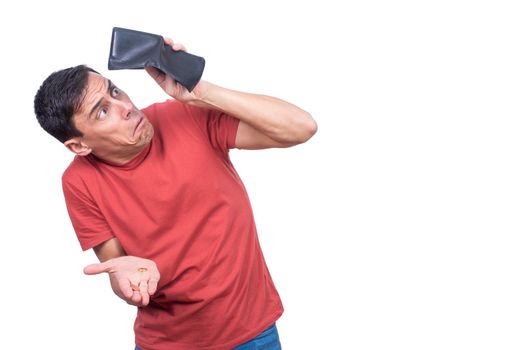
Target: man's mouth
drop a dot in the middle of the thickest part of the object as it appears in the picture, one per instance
(138, 125)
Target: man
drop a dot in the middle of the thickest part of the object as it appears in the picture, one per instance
(155, 195)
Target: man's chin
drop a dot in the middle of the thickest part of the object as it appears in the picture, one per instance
(146, 133)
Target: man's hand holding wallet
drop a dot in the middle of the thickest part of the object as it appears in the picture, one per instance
(131, 49)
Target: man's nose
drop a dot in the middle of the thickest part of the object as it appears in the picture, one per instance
(126, 107)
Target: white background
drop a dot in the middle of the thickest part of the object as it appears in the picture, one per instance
(398, 226)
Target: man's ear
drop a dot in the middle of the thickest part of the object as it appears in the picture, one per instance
(76, 146)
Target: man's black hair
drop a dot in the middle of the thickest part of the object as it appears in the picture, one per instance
(59, 98)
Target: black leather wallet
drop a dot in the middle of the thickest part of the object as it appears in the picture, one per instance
(131, 49)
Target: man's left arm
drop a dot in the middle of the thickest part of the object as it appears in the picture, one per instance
(265, 121)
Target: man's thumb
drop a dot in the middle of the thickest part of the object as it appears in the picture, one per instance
(95, 269)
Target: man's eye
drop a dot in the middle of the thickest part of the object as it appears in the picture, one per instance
(115, 91)
(102, 113)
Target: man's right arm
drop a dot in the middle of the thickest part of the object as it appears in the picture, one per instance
(133, 279)
(109, 249)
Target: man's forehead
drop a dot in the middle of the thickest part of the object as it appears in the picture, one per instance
(96, 83)
(95, 89)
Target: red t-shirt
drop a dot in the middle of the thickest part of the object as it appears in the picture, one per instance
(181, 204)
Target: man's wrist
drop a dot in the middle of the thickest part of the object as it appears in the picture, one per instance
(202, 93)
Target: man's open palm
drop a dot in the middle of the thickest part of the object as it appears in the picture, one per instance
(132, 278)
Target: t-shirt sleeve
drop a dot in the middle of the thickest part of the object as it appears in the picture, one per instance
(88, 222)
(219, 128)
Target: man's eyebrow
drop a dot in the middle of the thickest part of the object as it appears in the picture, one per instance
(95, 107)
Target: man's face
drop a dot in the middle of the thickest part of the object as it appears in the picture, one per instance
(113, 128)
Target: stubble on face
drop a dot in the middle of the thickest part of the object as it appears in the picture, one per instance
(113, 127)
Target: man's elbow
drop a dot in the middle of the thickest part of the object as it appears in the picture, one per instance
(308, 127)
(312, 127)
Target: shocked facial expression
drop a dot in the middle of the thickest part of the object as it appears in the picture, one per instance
(112, 127)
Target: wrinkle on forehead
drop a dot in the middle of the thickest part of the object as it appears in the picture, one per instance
(96, 86)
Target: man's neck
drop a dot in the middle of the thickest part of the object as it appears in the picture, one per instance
(122, 157)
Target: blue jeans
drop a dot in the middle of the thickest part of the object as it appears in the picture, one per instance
(267, 340)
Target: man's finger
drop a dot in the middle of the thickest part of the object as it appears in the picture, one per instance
(152, 286)
(129, 302)
(174, 46)
(136, 298)
(168, 41)
(126, 288)
(95, 269)
(144, 293)
(156, 74)
(178, 47)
